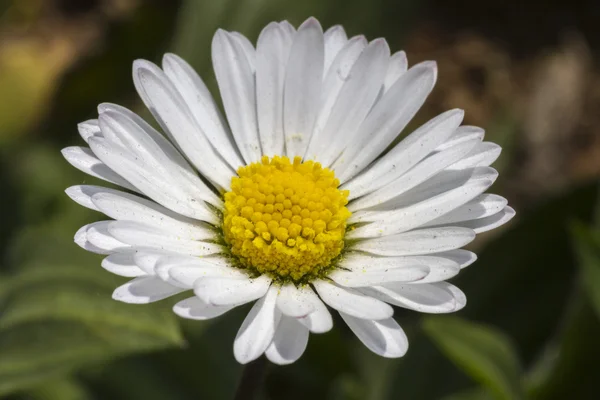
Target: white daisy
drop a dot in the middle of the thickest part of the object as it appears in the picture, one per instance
(291, 200)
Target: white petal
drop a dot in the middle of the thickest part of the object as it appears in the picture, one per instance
(82, 194)
(194, 308)
(272, 49)
(247, 46)
(318, 321)
(295, 302)
(161, 189)
(89, 128)
(122, 264)
(462, 134)
(439, 266)
(333, 82)
(303, 85)
(236, 83)
(355, 99)
(482, 155)
(398, 66)
(147, 259)
(289, 342)
(463, 258)
(84, 160)
(414, 216)
(489, 223)
(202, 106)
(389, 117)
(432, 298)
(406, 154)
(384, 337)
(187, 274)
(100, 238)
(334, 38)
(481, 206)
(174, 116)
(222, 291)
(257, 331)
(424, 170)
(352, 302)
(422, 241)
(378, 276)
(441, 183)
(131, 131)
(144, 290)
(136, 234)
(128, 207)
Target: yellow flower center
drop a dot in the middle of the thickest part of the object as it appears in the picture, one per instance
(285, 219)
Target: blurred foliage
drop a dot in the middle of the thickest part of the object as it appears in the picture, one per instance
(529, 331)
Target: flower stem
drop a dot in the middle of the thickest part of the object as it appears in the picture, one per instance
(251, 380)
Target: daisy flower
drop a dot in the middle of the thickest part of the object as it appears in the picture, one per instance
(297, 199)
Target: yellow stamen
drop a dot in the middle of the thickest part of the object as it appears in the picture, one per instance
(285, 219)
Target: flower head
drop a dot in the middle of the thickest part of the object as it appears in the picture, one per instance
(293, 201)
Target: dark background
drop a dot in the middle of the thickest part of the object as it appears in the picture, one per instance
(528, 72)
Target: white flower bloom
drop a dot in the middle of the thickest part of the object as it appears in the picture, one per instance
(290, 201)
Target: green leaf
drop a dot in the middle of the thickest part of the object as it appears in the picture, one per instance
(58, 318)
(59, 389)
(478, 393)
(482, 352)
(587, 246)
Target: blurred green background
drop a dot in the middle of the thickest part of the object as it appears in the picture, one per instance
(528, 72)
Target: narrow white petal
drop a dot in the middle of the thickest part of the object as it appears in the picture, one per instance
(398, 66)
(378, 276)
(89, 128)
(424, 170)
(236, 83)
(294, 301)
(99, 236)
(156, 186)
(247, 46)
(334, 38)
(84, 160)
(303, 85)
(128, 207)
(187, 274)
(390, 116)
(482, 206)
(223, 291)
(489, 223)
(434, 298)
(416, 215)
(174, 116)
(194, 308)
(258, 329)
(131, 131)
(352, 302)
(122, 264)
(441, 183)
(482, 155)
(356, 97)
(462, 134)
(318, 321)
(421, 241)
(202, 106)
(272, 49)
(406, 154)
(147, 259)
(439, 266)
(144, 290)
(289, 342)
(463, 258)
(384, 337)
(82, 194)
(136, 234)
(333, 82)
